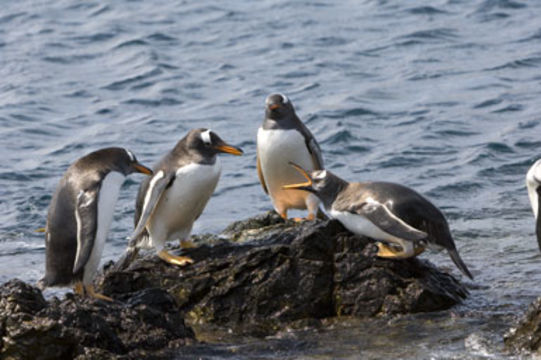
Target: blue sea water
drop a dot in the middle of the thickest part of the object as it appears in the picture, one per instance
(442, 96)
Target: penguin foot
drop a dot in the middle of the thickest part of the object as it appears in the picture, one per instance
(310, 217)
(90, 291)
(390, 252)
(283, 215)
(175, 260)
(187, 244)
(78, 288)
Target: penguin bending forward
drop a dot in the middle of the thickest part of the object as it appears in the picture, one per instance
(283, 138)
(401, 220)
(79, 217)
(174, 197)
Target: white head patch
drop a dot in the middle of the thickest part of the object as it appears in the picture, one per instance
(285, 99)
(130, 154)
(321, 175)
(205, 136)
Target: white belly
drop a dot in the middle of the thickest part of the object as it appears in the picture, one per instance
(182, 203)
(276, 148)
(360, 225)
(532, 184)
(108, 195)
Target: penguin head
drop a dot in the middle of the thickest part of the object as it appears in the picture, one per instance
(113, 159)
(323, 183)
(125, 162)
(278, 107)
(207, 143)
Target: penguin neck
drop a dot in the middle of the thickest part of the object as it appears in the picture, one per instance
(329, 194)
(184, 155)
(282, 124)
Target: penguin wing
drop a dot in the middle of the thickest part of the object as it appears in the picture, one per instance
(383, 218)
(86, 215)
(312, 145)
(260, 175)
(157, 185)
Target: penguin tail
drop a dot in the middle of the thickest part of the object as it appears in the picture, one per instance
(459, 263)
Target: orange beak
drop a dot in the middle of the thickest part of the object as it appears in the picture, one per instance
(301, 186)
(142, 169)
(274, 106)
(225, 148)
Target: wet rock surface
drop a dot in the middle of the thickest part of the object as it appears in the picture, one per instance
(147, 325)
(525, 336)
(258, 277)
(270, 272)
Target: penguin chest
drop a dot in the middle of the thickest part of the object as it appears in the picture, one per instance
(107, 198)
(276, 148)
(183, 202)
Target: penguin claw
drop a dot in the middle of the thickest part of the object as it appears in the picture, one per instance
(385, 251)
(82, 289)
(175, 260)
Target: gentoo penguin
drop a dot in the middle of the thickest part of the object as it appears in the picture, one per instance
(80, 215)
(402, 221)
(173, 198)
(282, 138)
(533, 183)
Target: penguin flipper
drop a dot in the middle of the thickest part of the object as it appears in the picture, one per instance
(158, 183)
(311, 144)
(383, 218)
(260, 175)
(86, 215)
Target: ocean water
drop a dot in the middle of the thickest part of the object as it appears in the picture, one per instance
(442, 96)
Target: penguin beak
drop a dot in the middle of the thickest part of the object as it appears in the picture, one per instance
(229, 149)
(142, 169)
(300, 186)
(274, 106)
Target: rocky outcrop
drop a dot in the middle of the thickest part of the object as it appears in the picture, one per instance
(526, 334)
(270, 272)
(257, 277)
(148, 324)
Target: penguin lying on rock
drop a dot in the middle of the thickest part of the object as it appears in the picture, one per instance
(401, 220)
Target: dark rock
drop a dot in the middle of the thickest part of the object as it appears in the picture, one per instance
(274, 275)
(526, 334)
(285, 272)
(146, 324)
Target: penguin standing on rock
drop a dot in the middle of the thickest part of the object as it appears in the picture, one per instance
(282, 138)
(401, 220)
(80, 215)
(533, 183)
(174, 197)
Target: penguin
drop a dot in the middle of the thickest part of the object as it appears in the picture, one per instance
(79, 217)
(171, 200)
(282, 138)
(401, 220)
(533, 184)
